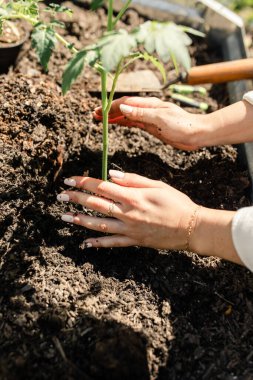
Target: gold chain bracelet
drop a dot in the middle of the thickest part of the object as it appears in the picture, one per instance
(191, 226)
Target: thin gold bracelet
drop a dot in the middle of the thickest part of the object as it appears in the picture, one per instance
(190, 228)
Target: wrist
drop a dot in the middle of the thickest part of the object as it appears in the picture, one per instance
(212, 234)
(205, 130)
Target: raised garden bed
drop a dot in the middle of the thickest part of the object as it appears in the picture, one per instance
(132, 313)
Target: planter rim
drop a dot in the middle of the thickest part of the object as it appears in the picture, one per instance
(13, 45)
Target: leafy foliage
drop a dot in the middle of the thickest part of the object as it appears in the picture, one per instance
(44, 36)
(95, 4)
(116, 46)
(168, 40)
(75, 67)
(28, 8)
(43, 41)
(57, 8)
(113, 52)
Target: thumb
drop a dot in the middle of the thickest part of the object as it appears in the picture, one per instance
(147, 115)
(134, 180)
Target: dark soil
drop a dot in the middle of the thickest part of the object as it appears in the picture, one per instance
(134, 313)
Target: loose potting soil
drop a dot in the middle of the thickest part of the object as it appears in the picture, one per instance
(67, 312)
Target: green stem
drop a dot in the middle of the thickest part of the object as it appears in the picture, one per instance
(105, 124)
(121, 12)
(110, 16)
(115, 80)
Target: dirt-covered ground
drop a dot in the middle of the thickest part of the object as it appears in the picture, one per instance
(133, 313)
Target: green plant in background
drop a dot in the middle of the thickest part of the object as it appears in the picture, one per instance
(112, 53)
(238, 4)
(243, 7)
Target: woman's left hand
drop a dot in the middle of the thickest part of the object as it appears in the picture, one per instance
(138, 211)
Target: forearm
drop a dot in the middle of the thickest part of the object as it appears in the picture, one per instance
(230, 125)
(212, 234)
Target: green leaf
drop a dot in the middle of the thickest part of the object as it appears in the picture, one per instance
(116, 46)
(95, 4)
(1, 26)
(25, 7)
(57, 24)
(192, 31)
(57, 8)
(43, 40)
(75, 67)
(168, 40)
(156, 63)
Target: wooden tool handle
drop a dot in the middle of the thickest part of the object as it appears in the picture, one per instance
(221, 72)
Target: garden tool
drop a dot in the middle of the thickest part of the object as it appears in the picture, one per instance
(147, 81)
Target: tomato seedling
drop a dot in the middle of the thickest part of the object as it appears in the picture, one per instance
(112, 53)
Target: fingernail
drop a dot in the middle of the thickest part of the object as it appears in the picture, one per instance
(67, 218)
(116, 174)
(126, 109)
(70, 182)
(63, 197)
(88, 245)
(97, 109)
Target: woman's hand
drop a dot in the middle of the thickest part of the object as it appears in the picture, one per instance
(181, 129)
(164, 120)
(137, 211)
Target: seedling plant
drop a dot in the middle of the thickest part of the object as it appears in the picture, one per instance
(113, 53)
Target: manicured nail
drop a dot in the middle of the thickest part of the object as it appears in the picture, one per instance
(88, 245)
(63, 197)
(97, 109)
(70, 182)
(126, 109)
(116, 174)
(67, 218)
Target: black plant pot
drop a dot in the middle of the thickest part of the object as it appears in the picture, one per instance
(9, 54)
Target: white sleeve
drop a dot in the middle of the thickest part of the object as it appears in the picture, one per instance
(242, 225)
(248, 97)
(242, 235)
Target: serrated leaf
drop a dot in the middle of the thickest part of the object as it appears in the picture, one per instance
(95, 4)
(58, 24)
(192, 31)
(58, 9)
(43, 41)
(116, 46)
(172, 41)
(75, 67)
(156, 63)
(168, 40)
(25, 7)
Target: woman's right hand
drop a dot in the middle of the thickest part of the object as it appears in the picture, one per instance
(166, 121)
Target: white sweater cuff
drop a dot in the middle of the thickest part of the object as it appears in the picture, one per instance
(248, 97)
(242, 235)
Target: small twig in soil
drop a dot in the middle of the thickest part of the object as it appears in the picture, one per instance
(59, 347)
(117, 167)
(59, 160)
(217, 294)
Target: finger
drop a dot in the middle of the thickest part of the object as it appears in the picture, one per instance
(110, 242)
(106, 225)
(112, 120)
(121, 120)
(140, 114)
(114, 110)
(135, 101)
(134, 180)
(124, 122)
(102, 205)
(103, 188)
